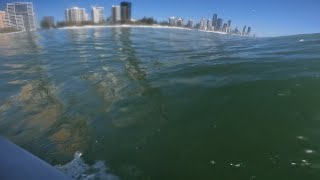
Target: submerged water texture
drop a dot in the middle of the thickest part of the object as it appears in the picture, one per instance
(164, 103)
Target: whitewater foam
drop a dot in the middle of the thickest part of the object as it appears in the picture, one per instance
(77, 169)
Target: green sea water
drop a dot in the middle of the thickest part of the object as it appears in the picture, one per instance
(165, 103)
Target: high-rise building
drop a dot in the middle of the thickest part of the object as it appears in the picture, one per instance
(20, 16)
(225, 27)
(249, 30)
(203, 24)
(180, 22)
(76, 15)
(236, 31)
(190, 23)
(219, 24)
(214, 20)
(244, 30)
(229, 23)
(173, 21)
(197, 26)
(125, 12)
(116, 16)
(229, 27)
(209, 25)
(2, 18)
(98, 14)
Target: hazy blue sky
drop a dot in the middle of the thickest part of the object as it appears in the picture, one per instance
(267, 17)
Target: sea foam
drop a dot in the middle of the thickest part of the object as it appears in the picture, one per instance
(77, 169)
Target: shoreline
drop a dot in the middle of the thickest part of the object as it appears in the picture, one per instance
(141, 26)
(124, 26)
(131, 26)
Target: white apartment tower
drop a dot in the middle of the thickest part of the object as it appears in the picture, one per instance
(20, 16)
(173, 21)
(180, 22)
(116, 16)
(98, 14)
(203, 24)
(209, 25)
(76, 15)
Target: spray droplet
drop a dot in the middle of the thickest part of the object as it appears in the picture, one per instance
(78, 154)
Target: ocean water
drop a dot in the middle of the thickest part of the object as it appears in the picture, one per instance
(149, 103)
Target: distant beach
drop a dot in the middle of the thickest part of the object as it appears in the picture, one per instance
(135, 26)
(140, 26)
(127, 26)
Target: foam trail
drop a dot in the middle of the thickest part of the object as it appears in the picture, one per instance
(77, 169)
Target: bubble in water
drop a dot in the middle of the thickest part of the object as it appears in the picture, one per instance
(237, 165)
(309, 151)
(304, 163)
(301, 138)
(253, 177)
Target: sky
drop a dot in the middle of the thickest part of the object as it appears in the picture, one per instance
(266, 17)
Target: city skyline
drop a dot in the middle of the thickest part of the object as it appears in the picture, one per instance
(267, 18)
(77, 15)
(122, 14)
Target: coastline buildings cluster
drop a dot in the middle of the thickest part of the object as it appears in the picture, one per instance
(78, 15)
(119, 14)
(21, 17)
(214, 25)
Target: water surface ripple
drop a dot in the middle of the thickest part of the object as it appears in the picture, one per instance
(164, 103)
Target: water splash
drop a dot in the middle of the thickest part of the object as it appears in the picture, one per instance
(77, 169)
